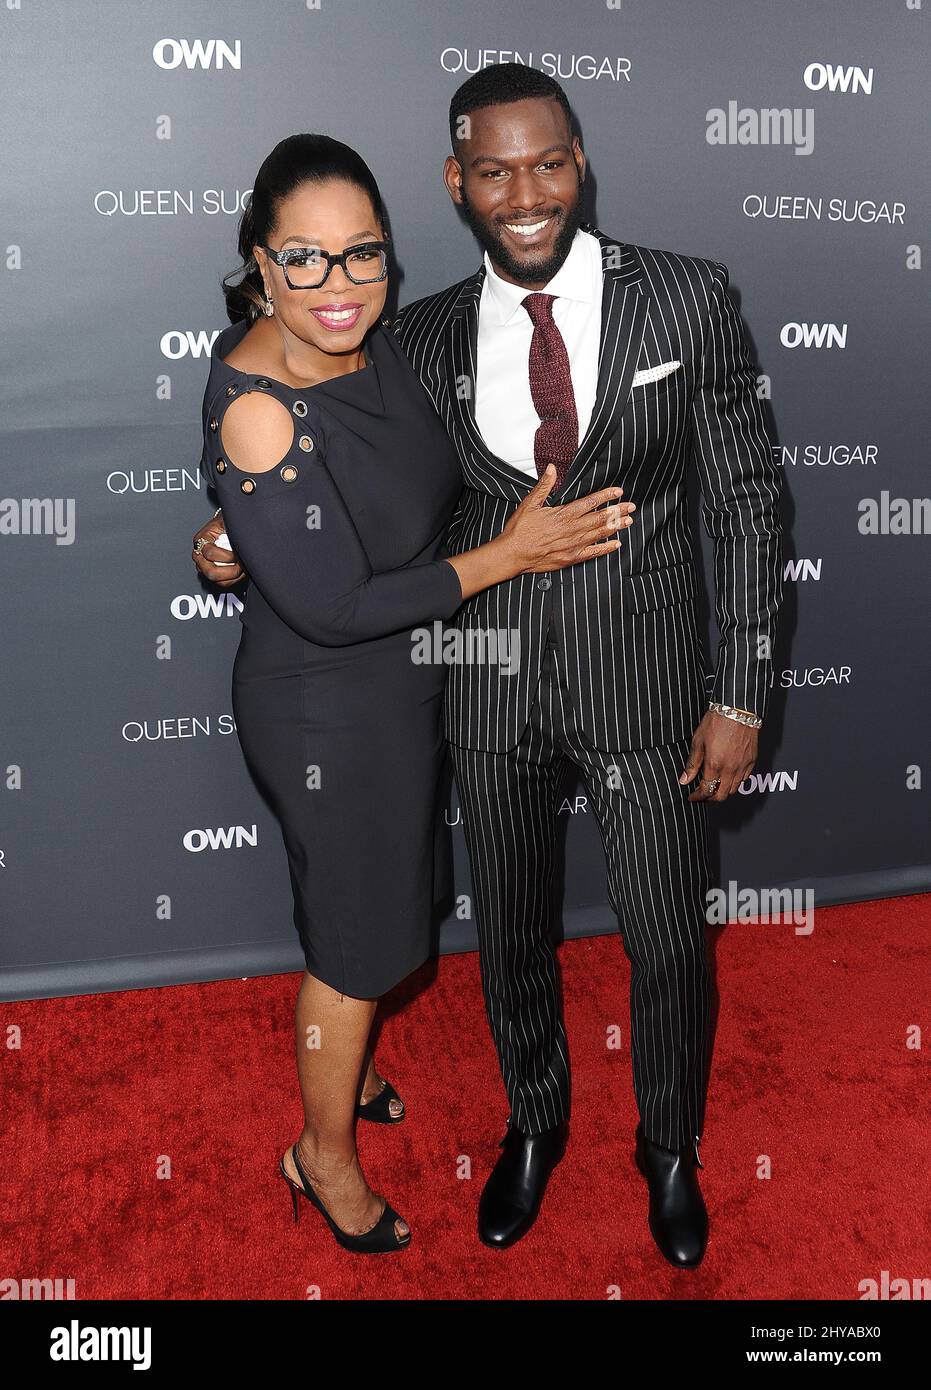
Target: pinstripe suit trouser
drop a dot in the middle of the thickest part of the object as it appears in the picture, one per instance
(655, 842)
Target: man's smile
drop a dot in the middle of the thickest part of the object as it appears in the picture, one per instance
(529, 233)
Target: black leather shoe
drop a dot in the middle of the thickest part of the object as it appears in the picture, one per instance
(512, 1195)
(678, 1219)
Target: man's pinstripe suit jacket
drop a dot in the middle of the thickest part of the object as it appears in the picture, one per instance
(626, 622)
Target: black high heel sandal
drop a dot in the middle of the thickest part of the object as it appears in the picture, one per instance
(378, 1109)
(380, 1240)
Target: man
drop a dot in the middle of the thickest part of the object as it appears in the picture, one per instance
(619, 364)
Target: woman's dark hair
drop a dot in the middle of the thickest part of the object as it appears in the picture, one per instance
(296, 160)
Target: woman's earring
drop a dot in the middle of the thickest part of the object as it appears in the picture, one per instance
(268, 308)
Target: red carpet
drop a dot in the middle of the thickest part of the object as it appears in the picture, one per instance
(811, 1067)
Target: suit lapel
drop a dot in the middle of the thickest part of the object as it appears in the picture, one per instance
(624, 309)
(461, 359)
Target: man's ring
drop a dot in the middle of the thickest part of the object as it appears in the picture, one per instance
(713, 784)
(199, 544)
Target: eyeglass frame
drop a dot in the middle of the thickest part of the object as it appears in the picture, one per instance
(281, 258)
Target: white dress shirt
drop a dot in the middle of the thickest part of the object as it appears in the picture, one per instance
(504, 410)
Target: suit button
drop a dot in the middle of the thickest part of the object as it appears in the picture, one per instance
(544, 582)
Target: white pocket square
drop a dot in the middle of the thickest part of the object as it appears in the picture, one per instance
(647, 374)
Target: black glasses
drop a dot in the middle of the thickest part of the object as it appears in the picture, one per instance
(307, 267)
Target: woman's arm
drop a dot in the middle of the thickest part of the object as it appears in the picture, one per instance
(299, 544)
(297, 540)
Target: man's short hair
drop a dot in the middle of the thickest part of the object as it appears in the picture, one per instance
(499, 85)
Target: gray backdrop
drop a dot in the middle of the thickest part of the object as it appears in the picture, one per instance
(134, 849)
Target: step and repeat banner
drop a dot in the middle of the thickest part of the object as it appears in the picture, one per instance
(788, 141)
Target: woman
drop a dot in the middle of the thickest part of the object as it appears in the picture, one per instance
(337, 482)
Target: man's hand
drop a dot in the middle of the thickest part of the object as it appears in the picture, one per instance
(721, 748)
(215, 563)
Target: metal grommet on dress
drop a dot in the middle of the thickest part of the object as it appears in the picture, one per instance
(300, 408)
(221, 465)
(232, 389)
(289, 473)
(247, 485)
(264, 382)
(213, 425)
(306, 443)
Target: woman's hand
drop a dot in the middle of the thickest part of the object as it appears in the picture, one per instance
(550, 538)
(212, 559)
(537, 537)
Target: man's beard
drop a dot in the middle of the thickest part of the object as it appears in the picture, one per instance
(527, 270)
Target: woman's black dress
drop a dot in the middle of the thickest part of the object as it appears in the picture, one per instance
(340, 726)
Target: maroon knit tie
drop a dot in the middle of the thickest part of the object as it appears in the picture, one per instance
(557, 438)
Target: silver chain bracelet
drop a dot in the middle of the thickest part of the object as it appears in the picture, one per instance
(740, 716)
